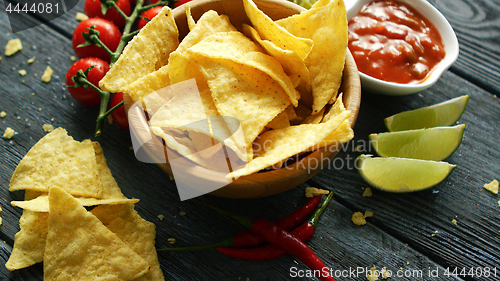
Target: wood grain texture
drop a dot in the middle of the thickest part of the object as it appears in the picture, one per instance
(409, 231)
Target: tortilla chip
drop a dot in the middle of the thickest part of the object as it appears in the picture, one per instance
(279, 122)
(289, 60)
(314, 119)
(274, 146)
(140, 235)
(269, 30)
(80, 247)
(209, 23)
(148, 89)
(327, 27)
(133, 230)
(242, 92)
(58, 160)
(145, 53)
(29, 242)
(190, 20)
(237, 47)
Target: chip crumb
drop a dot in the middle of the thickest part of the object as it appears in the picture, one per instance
(30, 61)
(182, 213)
(368, 214)
(407, 263)
(385, 274)
(161, 217)
(358, 218)
(171, 240)
(372, 275)
(73, 58)
(3, 114)
(9, 133)
(358, 148)
(81, 16)
(367, 192)
(13, 46)
(492, 187)
(498, 202)
(47, 74)
(22, 72)
(454, 221)
(313, 191)
(433, 234)
(48, 128)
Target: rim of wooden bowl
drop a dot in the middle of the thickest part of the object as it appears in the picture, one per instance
(264, 183)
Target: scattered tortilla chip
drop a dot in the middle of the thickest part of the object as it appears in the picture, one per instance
(13, 46)
(492, 187)
(313, 191)
(29, 242)
(327, 27)
(47, 74)
(277, 145)
(145, 53)
(58, 160)
(269, 30)
(133, 230)
(80, 247)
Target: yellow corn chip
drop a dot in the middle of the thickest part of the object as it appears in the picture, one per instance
(279, 122)
(269, 30)
(291, 62)
(140, 235)
(277, 145)
(327, 27)
(80, 247)
(145, 53)
(242, 92)
(41, 203)
(314, 119)
(190, 20)
(208, 24)
(58, 160)
(148, 89)
(237, 47)
(29, 242)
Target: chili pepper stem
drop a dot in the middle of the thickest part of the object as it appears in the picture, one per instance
(315, 216)
(225, 243)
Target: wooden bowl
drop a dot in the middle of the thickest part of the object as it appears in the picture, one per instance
(264, 183)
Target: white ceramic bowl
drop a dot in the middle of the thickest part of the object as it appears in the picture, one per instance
(450, 41)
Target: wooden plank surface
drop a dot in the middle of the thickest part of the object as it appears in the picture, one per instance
(409, 231)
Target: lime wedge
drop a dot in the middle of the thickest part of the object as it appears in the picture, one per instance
(402, 174)
(441, 114)
(427, 144)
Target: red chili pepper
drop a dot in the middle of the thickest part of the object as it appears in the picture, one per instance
(291, 244)
(247, 238)
(271, 251)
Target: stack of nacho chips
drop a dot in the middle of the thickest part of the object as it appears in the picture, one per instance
(111, 242)
(279, 79)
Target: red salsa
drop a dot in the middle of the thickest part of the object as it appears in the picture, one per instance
(391, 41)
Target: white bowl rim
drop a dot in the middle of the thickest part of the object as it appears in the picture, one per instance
(447, 34)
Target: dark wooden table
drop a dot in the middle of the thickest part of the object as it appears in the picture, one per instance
(409, 234)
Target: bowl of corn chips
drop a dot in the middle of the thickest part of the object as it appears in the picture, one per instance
(240, 98)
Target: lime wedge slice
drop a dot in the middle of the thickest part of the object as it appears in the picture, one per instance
(441, 114)
(402, 174)
(427, 144)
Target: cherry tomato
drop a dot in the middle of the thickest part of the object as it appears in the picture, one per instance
(119, 115)
(87, 96)
(149, 14)
(109, 35)
(177, 4)
(92, 8)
